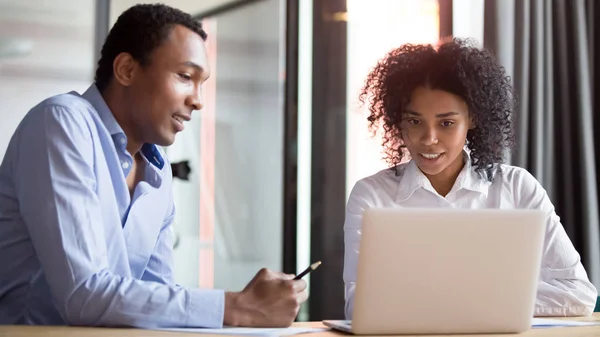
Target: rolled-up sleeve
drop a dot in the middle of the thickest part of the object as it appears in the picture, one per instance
(56, 188)
(564, 288)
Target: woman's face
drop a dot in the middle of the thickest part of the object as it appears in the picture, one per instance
(434, 130)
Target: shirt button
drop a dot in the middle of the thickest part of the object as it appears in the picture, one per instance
(123, 140)
(125, 165)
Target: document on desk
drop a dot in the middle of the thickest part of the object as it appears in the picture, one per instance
(271, 332)
(540, 323)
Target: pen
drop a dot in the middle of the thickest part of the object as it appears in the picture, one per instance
(308, 270)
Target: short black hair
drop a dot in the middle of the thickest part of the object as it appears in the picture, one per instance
(138, 31)
(457, 66)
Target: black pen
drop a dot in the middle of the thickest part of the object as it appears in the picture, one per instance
(308, 270)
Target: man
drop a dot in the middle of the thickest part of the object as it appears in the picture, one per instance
(86, 200)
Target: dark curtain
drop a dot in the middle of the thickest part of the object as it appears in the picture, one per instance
(547, 46)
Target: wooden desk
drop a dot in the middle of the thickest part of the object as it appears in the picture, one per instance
(51, 331)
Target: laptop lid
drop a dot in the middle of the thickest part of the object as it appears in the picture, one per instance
(447, 271)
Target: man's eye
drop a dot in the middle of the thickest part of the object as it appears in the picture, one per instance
(185, 77)
(413, 121)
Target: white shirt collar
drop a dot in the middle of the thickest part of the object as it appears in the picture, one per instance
(412, 178)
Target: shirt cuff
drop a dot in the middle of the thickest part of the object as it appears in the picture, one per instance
(206, 308)
(577, 311)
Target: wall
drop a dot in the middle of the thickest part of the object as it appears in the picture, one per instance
(52, 55)
(190, 6)
(467, 19)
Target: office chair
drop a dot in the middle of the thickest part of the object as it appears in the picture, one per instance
(597, 308)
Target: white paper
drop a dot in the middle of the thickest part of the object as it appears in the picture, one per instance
(250, 331)
(551, 323)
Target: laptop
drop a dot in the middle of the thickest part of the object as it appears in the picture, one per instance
(446, 271)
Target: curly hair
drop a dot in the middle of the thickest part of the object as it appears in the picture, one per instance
(138, 31)
(457, 67)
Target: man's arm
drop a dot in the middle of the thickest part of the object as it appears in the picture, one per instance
(56, 186)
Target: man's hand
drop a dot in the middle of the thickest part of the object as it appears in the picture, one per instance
(271, 299)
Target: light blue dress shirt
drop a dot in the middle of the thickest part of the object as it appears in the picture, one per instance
(75, 248)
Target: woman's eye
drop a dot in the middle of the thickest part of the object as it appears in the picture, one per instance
(185, 77)
(413, 121)
(447, 123)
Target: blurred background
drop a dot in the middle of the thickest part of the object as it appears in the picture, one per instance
(281, 141)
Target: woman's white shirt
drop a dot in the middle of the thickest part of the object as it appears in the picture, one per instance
(564, 288)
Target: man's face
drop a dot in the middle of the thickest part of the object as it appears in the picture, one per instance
(164, 92)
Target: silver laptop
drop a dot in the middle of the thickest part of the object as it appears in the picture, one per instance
(446, 271)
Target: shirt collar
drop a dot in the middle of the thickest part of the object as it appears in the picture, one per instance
(412, 178)
(149, 151)
(93, 96)
(470, 179)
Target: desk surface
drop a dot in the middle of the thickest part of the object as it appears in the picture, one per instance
(51, 331)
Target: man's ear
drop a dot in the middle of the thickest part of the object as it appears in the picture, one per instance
(125, 68)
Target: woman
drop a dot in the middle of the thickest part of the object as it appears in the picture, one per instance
(450, 111)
